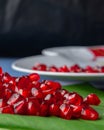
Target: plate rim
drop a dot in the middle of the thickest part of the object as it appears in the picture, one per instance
(47, 73)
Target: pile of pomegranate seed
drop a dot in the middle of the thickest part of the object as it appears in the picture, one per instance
(73, 69)
(27, 95)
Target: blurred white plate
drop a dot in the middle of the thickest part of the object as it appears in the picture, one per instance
(26, 64)
(76, 54)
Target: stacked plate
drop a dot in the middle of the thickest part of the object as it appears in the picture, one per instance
(69, 55)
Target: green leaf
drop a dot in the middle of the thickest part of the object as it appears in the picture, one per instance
(18, 122)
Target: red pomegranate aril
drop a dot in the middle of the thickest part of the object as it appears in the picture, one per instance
(53, 85)
(3, 102)
(44, 87)
(102, 69)
(32, 108)
(14, 98)
(76, 111)
(65, 111)
(53, 69)
(75, 68)
(1, 71)
(8, 93)
(7, 109)
(41, 67)
(63, 69)
(24, 92)
(49, 99)
(63, 92)
(54, 109)
(89, 113)
(92, 99)
(73, 98)
(34, 77)
(20, 107)
(23, 82)
(6, 78)
(35, 84)
(11, 87)
(89, 69)
(44, 109)
(36, 93)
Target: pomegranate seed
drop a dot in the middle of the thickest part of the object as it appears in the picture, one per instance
(14, 98)
(8, 93)
(32, 108)
(65, 111)
(44, 109)
(90, 69)
(41, 67)
(3, 102)
(92, 99)
(34, 77)
(89, 113)
(7, 109)
(63, 92)
(53, 69)
(102, 69)
(54, 109)
(73, 98)
(44, 87)
(36, 93)
(20, 107)
(49, 99)
(76, 111)
(54, 85)
(75, 68)
(1, 71)
(6, 78)
(63, 69)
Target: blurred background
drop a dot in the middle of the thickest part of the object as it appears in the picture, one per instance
(28, 26)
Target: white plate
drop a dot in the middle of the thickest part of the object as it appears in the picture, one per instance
(74, 53)
(26, 64)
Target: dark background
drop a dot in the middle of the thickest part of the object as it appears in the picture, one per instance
(28, 26)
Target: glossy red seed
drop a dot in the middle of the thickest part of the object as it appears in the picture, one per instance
(102, 69)
(92, 99)
(73, 98)
(32, 108)
(8, 93)
(36, 93)
(41, 67)
(44, 87)
(53, 85)
(75, 68)
(34, 77)
(65, 111)
(3, 102)
(63, 69)
(49, 99)
(76, 111)
(7, 109)
(89, 113)
(53, 69)
(89, 69)
(1, 71)
(23, 82)
(14, 98)
(44, 109)
(20, 107)
(63, 92)
(6, 78)
(24, 92)
(54, 109)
